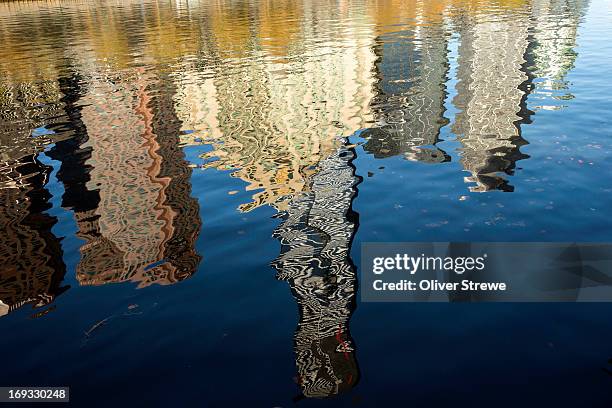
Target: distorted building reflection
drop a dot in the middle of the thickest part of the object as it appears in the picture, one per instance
(30, 254)
(30, 117)
(411, 69)
(144, 227)
(316, 235)
(114, 105)
(272, 119)
(491, 94)
(498, 62)
(272, 104)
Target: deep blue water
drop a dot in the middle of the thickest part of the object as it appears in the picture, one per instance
(464, 122)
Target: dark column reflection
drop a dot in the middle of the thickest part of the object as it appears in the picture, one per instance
(30, 255)
(316, 236)
(180, 247)
(32, 115)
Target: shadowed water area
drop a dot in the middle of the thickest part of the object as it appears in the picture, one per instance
(185, 187)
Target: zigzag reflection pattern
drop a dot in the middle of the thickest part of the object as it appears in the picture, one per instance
(316, 237)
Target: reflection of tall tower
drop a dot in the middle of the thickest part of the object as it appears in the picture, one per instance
(30, 255)
(490, 96)
(145, 224)
(179, 248)
(409, 107)
(315, 238)
(73, 153)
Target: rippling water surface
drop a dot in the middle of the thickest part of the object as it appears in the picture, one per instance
(185, 186)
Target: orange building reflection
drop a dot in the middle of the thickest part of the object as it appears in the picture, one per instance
(146, 223)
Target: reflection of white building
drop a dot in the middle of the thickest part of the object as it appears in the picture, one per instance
(272, 119)
(554, 37)
(489, 96)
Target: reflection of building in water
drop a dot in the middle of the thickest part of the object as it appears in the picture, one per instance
(30, 255)
(498, 59)
(24, 109)
(145, 224)
(554, 39)
(315, 236)
(409, 106)
(271, 119)
(160, 31)
(273, 98)
(73, 153)
(490, 97)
